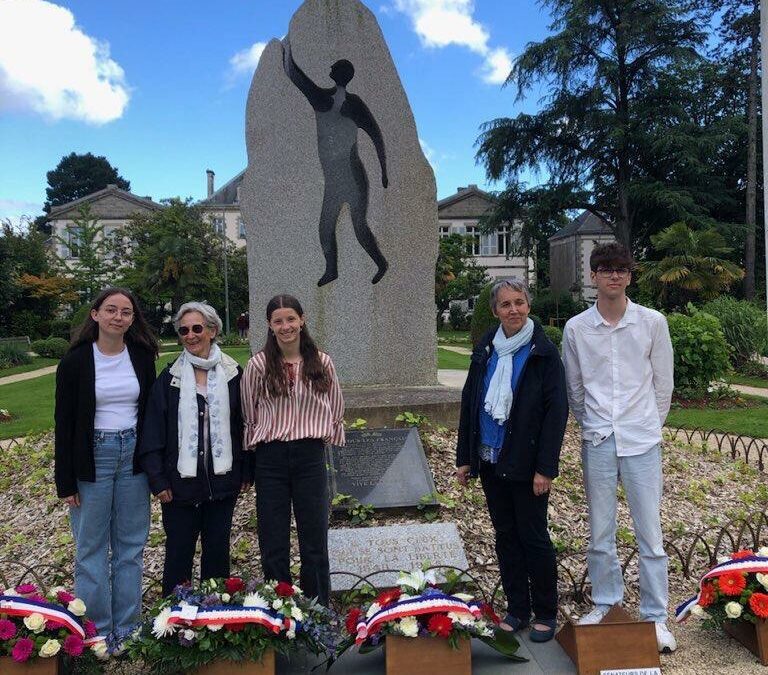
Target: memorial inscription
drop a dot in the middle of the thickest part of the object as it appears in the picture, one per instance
(383, 467)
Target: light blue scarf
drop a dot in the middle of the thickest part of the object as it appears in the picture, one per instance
(498, 400)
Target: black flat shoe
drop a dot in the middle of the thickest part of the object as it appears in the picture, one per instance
(515, 623)
(543, 635)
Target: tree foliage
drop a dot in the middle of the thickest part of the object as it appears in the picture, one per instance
(457, 276)
(76, 176)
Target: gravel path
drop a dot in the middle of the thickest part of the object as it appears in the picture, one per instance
(31, 375)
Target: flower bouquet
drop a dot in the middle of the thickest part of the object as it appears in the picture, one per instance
(231, 620)
(734, 595)
(42, 628)
(443, 620)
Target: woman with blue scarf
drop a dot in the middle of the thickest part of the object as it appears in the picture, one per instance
(514, 410)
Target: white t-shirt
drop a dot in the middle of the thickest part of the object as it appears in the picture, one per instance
(117, 391)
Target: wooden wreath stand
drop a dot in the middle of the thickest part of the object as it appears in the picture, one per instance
(617, 642)
(264, 667)
(426, 656)
(36, 666)
(754, 636)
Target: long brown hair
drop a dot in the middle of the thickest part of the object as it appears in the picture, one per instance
(313, 371)
(139, 333)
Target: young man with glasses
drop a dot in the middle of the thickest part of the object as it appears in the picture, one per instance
(619, 373)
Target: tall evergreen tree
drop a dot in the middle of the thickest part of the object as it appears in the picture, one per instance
(76, 176)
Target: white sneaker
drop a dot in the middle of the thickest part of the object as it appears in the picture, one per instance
(665, 639)
(595, 616)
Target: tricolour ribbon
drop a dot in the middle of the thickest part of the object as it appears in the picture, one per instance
(205, 616)
(12, 605)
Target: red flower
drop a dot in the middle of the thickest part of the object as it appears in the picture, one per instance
(731, 583)
(64, 597)
(388, 596)
(22, 650)
(707, 596)
(73, 645)
(440, 625)
(234, 585)
(284, 589)
(90, 628)
(52, 624)
(7, 629)
(353, 618)
(758, 602)
(489, 614)
(234, 627)
(26, 589)
(744, 553)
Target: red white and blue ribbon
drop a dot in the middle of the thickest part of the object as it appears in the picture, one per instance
(12, 605)
(223, 615)
(753, 564)
(422, 604)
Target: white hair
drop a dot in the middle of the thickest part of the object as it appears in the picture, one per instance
(514, 284)
(210, 316)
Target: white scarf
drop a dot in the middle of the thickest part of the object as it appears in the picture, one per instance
(218, 413)
(498, 400)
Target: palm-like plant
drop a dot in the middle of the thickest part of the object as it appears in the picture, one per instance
(693, 268)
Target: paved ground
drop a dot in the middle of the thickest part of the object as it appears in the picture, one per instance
(752, 391)
(31, 375)
(454, 348)
(454, 379)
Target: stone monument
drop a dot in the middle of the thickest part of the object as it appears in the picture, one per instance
(338, 199)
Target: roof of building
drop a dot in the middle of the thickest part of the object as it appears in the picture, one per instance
(226, 194)
(121, 204)
(585, 223)
(467, 202)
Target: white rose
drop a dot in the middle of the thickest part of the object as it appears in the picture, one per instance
(226, 597)
(160, 626)
(188, 634)
(297, 614)
(763, 551)
(35, 622)
(409, 626)
(698, 610)
(100, 650)
(215, 626)
(762, 579)
(77, 607)
(733, 610)
(277, 604)
(50, 648)
(291, 634)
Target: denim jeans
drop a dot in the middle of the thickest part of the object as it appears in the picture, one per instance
(642, 480)
(110, 528)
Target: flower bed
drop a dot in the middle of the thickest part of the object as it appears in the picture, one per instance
(235, 620)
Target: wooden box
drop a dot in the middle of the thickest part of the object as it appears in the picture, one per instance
(37, 666)
(616, 642)
(754, 636)
(426, 656)
(223, 667)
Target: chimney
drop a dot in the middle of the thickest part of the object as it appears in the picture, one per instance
(210, 182)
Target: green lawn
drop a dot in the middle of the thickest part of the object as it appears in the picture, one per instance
(37, 362)
(457, 337)
(741, 421)
(31, 404)
(761, 382)
(446, 359)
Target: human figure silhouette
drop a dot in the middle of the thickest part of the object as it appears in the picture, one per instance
(338, 115)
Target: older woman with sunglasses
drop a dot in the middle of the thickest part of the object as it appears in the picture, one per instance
(191, 448)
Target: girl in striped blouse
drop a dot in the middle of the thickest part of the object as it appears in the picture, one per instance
(292, 407)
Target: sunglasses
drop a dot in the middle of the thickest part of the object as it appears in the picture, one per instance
(196, 329)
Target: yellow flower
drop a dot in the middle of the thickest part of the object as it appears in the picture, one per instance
(50, 648)
(35, 622)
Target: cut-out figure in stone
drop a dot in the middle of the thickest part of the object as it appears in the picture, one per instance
(339, 114)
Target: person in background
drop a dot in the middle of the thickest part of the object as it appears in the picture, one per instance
(242, 325)
(292, 407)
(619, 369)
(102, 386)
(191, 448)
(513, 415)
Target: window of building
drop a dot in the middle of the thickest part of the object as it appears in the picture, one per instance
(240, 228)
(473, 240)
(445, 230)
(218, 225)
(74, 240)
(502, 238)
(488, 244)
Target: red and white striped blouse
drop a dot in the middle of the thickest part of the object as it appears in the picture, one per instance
(303, 413)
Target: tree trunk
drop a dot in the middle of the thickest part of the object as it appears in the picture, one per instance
(749, 244)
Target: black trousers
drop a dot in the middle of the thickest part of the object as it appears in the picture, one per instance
(523, 545)
(183, 524)
(293, 473)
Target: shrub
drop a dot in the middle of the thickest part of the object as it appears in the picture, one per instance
(701, 352)
(482, 317)
(458, 318)
(29, 323)
(61, 328)
(13, 355)
(743, 325)
(231, 340)
(52, 348)
(549, 304)
(555, 334)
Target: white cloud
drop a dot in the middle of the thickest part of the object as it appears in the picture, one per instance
(440, 23)
(51, 67)
(18, 211)
(429, 153)
(246, 60)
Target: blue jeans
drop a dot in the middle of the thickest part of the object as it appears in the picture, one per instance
(113, 516)
(642, 480)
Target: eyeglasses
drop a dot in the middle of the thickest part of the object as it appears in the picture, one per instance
(607, 273)
(196, 329)
(114, 311)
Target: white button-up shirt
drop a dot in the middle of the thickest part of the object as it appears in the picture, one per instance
(619, 378)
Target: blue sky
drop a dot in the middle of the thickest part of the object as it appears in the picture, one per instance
(159, 87)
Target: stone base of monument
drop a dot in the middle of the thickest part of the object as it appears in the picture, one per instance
(38, 666)
(426, 656)
(380, 405)
(223, 667)
(754, 636)
(617, 642)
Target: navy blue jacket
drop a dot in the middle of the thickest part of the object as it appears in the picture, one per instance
(536, 425)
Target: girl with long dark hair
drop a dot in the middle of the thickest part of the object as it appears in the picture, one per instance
(292, 407)
(102, 384)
